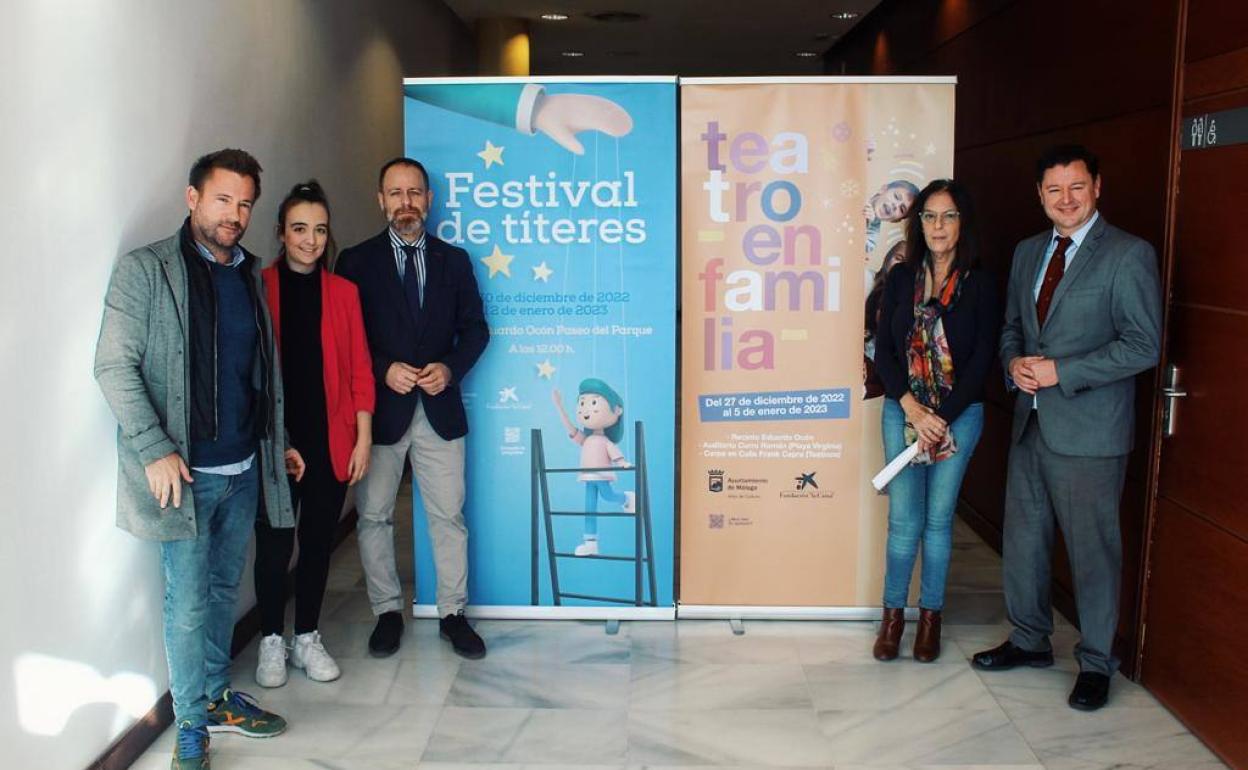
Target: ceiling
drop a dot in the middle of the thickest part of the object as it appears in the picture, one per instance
(676, 37)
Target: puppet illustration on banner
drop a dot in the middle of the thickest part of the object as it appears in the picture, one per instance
(600, 416)
(563, 193)
(794, 196)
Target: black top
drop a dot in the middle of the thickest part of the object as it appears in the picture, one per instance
(303, 375)
(972, 325)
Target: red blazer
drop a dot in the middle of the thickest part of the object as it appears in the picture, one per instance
(349, 386)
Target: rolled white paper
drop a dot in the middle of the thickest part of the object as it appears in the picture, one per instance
(893, 468)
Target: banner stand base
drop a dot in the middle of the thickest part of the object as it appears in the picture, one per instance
(564, 612)
(683, 612)
(736, 613)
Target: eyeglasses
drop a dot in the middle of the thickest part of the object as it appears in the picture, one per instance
(945, 217)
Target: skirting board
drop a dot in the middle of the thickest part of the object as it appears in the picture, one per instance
(729, 612)
(509, 612)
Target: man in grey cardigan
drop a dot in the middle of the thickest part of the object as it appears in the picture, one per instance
(1082, 319)
(186, 361)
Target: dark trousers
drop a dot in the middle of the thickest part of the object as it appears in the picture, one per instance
(1045, 490)
(318, 502)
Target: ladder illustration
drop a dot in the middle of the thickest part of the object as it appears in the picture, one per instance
(543, 517)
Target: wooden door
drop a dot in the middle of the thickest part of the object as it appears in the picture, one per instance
(1196, 604)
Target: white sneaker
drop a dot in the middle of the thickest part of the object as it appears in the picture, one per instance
(630, 502)
(310, 655)
(271, 669)
(588, 547)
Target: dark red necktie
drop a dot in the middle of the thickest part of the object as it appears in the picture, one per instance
(1052, 277)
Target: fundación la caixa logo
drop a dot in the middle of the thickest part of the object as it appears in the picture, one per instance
(806, 480)
(805, 487)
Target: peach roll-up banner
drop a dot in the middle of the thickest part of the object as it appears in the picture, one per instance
(794, 194)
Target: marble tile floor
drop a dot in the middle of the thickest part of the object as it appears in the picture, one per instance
(663, 696)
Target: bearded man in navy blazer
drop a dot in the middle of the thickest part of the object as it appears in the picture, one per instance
(1082, 319)
(426, 328)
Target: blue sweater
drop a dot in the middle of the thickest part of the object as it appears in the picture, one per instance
(236, 339)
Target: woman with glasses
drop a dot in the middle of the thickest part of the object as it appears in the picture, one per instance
(327, 379)
(935, 343)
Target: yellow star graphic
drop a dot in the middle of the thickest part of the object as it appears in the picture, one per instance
(498, 262)
(491, 154)
(542, 273)
(544, 369)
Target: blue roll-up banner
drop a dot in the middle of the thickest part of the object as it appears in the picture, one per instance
(563, 192)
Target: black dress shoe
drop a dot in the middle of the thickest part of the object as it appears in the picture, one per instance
(385, 638)
(455, 629)
(1091, 691)
(1007, 656)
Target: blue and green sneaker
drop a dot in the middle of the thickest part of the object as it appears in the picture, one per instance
(238, 712)
(191, 750)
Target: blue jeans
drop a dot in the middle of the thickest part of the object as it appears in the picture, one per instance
(201, 589)
(921, 501)
(594, 490)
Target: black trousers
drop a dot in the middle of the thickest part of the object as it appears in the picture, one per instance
(318, 502)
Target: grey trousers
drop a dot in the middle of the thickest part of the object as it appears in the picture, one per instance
(438, 477)
(1079, 494)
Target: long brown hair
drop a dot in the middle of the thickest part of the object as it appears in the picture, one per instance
(966, 256)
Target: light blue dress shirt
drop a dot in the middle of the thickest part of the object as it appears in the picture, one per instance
(1076, 240)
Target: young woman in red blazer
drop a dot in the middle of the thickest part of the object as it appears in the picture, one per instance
(327, 379)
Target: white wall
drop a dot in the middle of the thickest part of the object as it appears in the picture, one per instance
(105, 104)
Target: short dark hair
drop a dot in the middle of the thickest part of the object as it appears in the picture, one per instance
(967, 255)
(401, 161)
(1064, 155)
(306, 192)
(239, 161)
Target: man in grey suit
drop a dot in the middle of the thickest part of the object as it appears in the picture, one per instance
(1083, 317)
(186, 359)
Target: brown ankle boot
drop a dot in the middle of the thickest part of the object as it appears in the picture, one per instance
(927, 637)
(892, 625)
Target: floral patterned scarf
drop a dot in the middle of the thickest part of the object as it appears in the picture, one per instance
(928, 359)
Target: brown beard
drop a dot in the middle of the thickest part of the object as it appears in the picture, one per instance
(208, 236)
(408, 222)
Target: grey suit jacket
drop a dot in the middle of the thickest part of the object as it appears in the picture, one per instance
(1103, 328)
(142, 365)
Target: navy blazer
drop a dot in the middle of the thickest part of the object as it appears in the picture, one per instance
(450, 329)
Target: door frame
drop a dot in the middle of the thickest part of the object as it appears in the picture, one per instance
(1167, 276)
